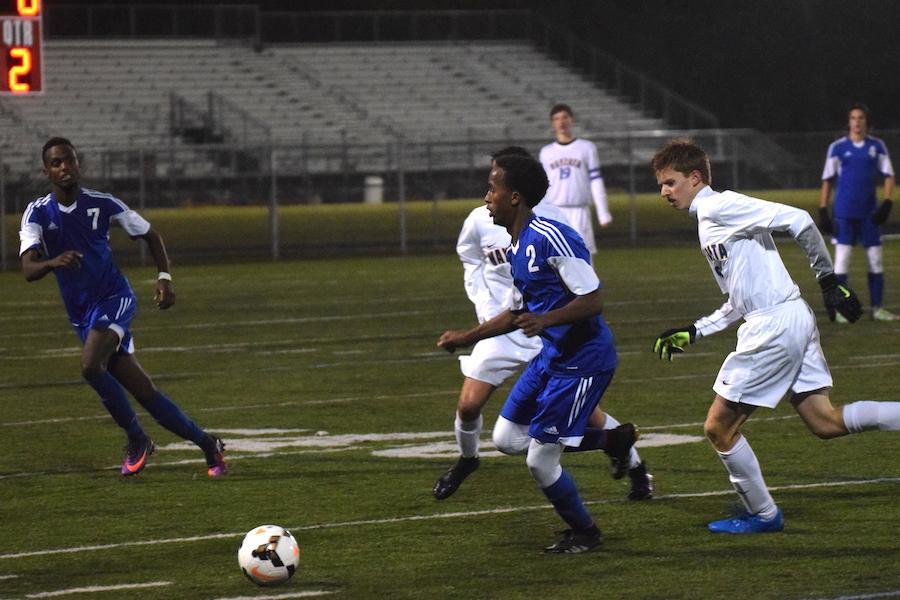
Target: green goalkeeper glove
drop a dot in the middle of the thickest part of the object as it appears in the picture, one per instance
(674, 341)
(839, 299)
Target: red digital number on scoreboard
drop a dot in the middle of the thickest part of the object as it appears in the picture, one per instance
(20, 58)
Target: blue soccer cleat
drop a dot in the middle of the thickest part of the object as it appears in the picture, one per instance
(748, 524)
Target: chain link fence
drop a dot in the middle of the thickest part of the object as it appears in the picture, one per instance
(393, 198)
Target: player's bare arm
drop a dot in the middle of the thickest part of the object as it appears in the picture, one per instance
(35, 268)
(580, 308)
(165, 293)
(458, 338)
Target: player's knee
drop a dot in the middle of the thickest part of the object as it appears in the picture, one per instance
(543, 464)
(722, 437)
(508, 439)
(827, 429)
(714, 432)
(472, 399)
(91, 372)
(468, 411)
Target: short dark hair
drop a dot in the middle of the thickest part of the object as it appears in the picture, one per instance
(525, 175)
(511, 151)
(860, 106)
(561, 107)
(52, 142)
(685, 157)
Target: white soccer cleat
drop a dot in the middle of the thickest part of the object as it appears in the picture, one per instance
(882, 314)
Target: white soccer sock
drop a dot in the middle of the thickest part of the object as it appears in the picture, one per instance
(867, 414)
(633, 458)
(468, 434)
(747, 480)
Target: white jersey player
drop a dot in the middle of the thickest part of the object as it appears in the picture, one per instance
(778, 346)
(573, 168)
(482, 247)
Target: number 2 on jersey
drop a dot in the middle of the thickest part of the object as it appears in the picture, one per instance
(531, 253)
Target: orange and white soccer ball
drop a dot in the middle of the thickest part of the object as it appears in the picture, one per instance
(269, 555)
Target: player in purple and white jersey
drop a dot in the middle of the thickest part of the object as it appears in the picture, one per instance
(482, 248)
(67, 233)
(557, 297)
(853, 165)
(778, 350)
(573, 168)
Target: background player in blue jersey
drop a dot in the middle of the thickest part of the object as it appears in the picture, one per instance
(556, 296)
(856, 161)
(67, 233)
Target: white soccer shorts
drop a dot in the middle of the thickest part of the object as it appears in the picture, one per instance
(777, 350)
(581, 220)
(496, 359)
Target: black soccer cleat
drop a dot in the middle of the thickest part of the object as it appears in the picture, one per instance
(618, 446)
(450, 481)
(577, 541)
(641, 483)
(136, 454)
(214, 451)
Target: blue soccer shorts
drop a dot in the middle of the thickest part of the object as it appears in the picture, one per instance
(116, 313)
(851, 231)
(556, 408)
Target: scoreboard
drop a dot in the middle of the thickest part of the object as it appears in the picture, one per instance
(20, 57)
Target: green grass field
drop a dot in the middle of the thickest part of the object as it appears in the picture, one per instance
(324, 380)
(214, 233)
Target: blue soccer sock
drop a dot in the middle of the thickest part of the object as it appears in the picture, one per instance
(563, 495)
(170, 416)
(113, 397)
(876, 288)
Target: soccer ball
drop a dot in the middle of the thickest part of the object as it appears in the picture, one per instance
(269, 555)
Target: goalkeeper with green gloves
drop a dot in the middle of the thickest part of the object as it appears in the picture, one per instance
(778, 347)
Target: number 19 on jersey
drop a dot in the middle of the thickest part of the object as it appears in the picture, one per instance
(20, 58)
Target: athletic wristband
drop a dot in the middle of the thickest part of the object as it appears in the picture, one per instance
(163, 275)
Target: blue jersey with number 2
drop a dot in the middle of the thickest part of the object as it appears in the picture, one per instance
(577, 349)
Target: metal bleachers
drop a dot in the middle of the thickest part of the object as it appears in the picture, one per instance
(119, 94)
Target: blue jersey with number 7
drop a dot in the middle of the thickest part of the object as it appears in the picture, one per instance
(83, 226)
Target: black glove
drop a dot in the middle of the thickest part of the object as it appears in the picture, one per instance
(674, 341)
(839, 299)
(825, 224)
(884, 211)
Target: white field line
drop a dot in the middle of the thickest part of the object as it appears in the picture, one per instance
(248, 406)
(100, 588)
(2, 577)
(308, 594)
(430, 357)
(280, 453)
(255, 322)
(411, 518)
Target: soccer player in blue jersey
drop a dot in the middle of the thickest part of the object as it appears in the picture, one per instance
(856, 161)
(556, 296)
(67, 233)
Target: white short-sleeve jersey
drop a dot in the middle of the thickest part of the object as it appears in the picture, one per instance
(736, 238)
(569, 168)
(482, 249)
